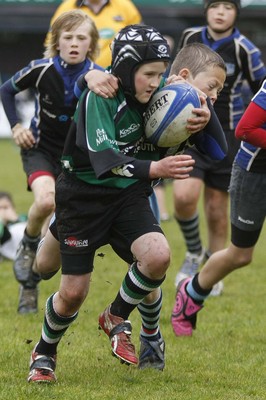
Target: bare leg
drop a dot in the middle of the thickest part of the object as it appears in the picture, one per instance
(222, 263)
(216, 205)
(48, 257)
(44, 191)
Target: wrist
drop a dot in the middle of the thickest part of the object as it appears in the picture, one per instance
(15, 126)
(154, 170)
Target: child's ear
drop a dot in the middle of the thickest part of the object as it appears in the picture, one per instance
(184, 72)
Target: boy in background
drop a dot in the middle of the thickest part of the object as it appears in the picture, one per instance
(70, 53)
(243, 62)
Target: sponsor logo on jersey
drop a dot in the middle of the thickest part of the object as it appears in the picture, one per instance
(143, 145)
(106, 33)
(123, 170)
(127, 131)
(102, 137)
(230, 69)
(146, 146)
(74, 242)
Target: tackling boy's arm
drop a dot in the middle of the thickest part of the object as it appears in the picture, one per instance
(211, 141)
(101, 83)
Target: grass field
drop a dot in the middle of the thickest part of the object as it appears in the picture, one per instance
(224, 360)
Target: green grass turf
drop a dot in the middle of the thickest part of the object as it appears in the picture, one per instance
(223, 360)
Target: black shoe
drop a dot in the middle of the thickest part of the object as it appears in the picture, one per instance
(24, 260)
(151, 353)
(28, 300)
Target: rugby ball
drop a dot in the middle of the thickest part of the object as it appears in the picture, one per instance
(165, 119)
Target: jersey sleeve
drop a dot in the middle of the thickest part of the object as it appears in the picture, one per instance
(211, 141)
(252, 126)
(254, 70)
(81, 84)
(8, 93)
(23, 79)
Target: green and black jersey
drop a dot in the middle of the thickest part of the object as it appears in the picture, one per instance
(106, 144)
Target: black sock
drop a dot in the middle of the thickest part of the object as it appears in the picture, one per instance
(198, 289)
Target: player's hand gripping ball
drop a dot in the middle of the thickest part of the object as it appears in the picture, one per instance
(166, 117)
